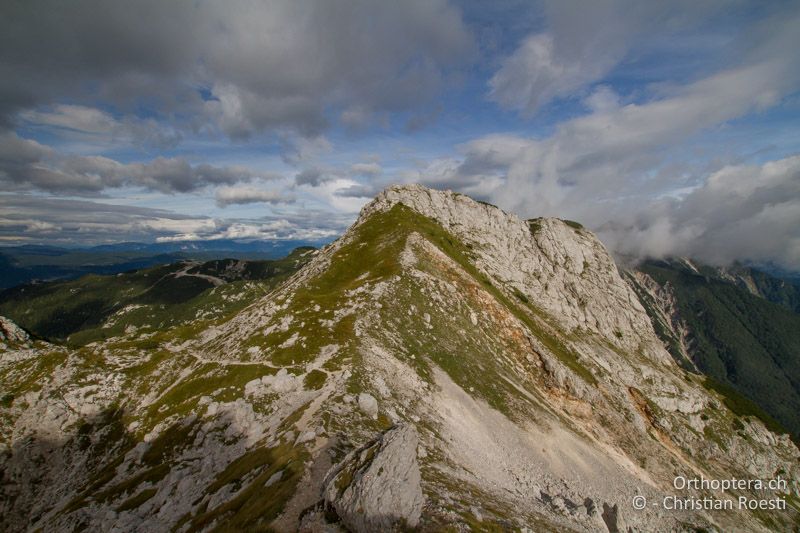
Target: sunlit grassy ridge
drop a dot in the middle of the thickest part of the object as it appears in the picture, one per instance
(365, 277)
(473, 358)
(264, 379)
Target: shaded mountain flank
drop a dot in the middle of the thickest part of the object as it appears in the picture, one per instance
(737, 326)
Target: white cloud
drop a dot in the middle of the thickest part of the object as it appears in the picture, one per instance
(90, 124)
(313, 177)
(72, 117)
(366, 169)
(278, 229)
(741, 212)
(333, 193)
(609, 167)
(59, 221)
(172, 225)
(532, 76)
(610, 152)
(583, 42)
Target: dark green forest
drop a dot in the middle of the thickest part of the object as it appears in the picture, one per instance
(748, 347)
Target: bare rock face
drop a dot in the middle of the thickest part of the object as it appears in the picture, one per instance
(378, 487)
(663, 304)
(368, 405)
(559, 265)
(11, 335)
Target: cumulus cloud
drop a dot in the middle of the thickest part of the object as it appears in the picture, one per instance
(312, 225)
(611, 167)
(620, 156)
(244, 66)
(583, 42)
(317, 176)
(611, 152)
(312, 176)
(227, 196)
(27, 164)
(298, 150)
(740, 212)
(439, 173)
(360, 190)
(366, 169)
(29, 217)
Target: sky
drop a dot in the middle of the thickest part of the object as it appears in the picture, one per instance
(668, 128)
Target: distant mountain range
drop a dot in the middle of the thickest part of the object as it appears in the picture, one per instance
(26, 263)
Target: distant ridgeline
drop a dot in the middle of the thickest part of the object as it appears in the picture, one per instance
(24, 264)
(739, 326)
(95, 307)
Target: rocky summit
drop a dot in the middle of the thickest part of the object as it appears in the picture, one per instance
(443, 366)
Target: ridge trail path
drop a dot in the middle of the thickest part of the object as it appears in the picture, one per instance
(185, 273)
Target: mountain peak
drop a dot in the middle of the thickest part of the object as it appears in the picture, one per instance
(433, 203)
(558, 264)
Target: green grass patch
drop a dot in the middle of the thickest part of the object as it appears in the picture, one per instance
(521, 297)
(84, 310)
(257, 505)
(168, 443)
(153, 475)
(315, 379)
(572, 224)
(242, 467)
(205, 381)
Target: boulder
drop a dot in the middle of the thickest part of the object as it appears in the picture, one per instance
(368, 405)
(378, 487)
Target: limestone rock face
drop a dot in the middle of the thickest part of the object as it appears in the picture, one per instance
(368, 404)
(559, 266)
(378, 487)
(664, 306)
(11, 335)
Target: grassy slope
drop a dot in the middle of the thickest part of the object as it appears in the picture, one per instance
(742, 342)
(474, 360)
(478, 359)
(780, 291)
(75, 311)
(374, 255)
(470, 358)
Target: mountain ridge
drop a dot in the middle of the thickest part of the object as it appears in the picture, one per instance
(538, 392)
